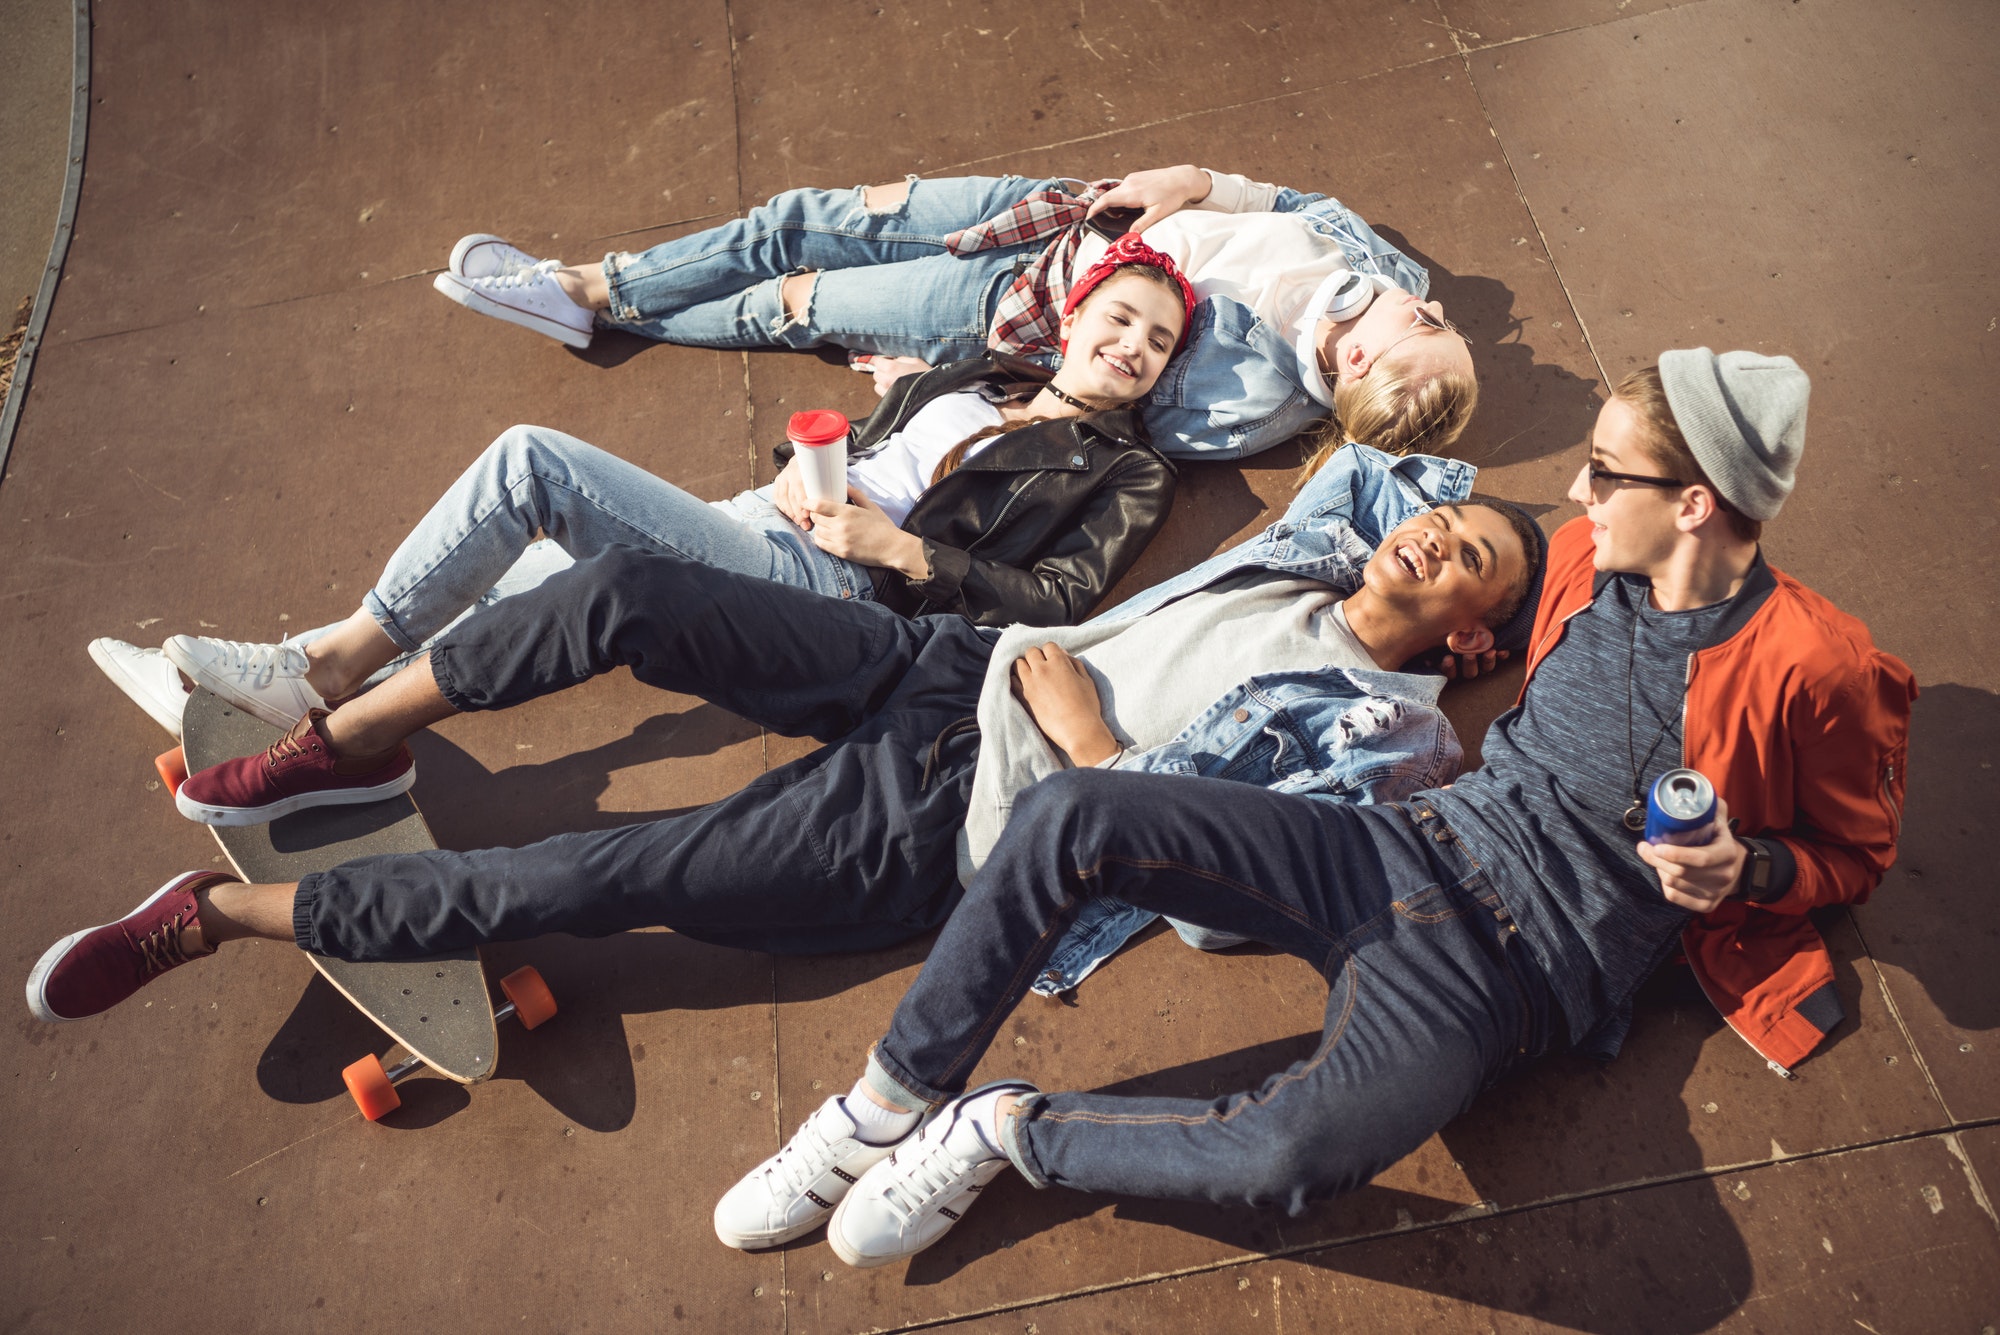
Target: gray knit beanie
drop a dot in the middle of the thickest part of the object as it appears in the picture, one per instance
(1744, 417)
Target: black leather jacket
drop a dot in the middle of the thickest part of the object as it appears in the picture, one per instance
(1038, 525)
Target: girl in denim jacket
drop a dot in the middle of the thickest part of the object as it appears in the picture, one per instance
(929, 271)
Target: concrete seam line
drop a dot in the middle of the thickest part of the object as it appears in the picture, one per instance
(38, 319)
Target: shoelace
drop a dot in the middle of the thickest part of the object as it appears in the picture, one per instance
(796, 1167)
(160, 949)
(258, 664)
(514, 263)
(526, 276)
(922, 1179)
(292, 744)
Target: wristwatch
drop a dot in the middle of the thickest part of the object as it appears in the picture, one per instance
(1753, 884)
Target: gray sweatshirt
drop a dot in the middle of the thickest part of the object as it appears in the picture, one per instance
(1154, 675)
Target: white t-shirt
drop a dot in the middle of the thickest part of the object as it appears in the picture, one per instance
(900, 470)
(1271, 262)
(1154, 675)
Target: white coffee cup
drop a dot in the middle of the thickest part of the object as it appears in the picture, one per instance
(819, 442)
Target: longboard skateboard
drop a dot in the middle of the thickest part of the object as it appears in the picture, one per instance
(438, 1010)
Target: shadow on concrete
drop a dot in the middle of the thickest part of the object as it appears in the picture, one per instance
(1510, 1155)
(1527, 408)
(582, 1060)
(1213, 504)
(469, 806)
(1942, 934)
(611, 348)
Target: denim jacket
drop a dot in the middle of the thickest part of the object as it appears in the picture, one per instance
(1235, 389)
(1334, 734)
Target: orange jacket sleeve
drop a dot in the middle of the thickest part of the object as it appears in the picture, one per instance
(1851, 745)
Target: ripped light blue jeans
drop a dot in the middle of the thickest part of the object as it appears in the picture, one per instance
(478, 543)
(886, 283)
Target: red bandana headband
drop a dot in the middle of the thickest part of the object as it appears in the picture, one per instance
(1129, 249)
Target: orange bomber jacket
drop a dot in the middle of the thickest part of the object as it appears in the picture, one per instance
(1802, 725)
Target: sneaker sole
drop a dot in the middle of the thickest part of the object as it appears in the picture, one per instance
(54, 954)
(454, 287)
(856, 1259)
(136, 693)
(335, 797)
(757, 1242)
(249, 704)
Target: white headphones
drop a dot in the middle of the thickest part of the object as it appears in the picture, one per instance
(1342, 295)
(1351, 298)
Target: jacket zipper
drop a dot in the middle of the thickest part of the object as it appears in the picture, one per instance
(1687, 686)
(1782, 1071)
(1076, 437)
(1889, 801)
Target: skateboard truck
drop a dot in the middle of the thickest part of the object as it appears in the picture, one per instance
(374, 1086)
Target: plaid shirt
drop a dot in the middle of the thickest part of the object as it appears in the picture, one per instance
(1030, 310)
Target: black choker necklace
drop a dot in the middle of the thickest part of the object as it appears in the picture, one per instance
(1071, 399)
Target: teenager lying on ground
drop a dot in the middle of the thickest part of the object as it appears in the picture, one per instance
(938, 270)
(1463, 931)
(1063, 458)
(1293, 635)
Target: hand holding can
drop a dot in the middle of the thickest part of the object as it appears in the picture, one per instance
(1681, 809)
(819, 441)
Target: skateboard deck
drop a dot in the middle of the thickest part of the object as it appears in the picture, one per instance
(438, 1009)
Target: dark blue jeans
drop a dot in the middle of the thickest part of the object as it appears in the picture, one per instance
(850, 848)
(1431, 993)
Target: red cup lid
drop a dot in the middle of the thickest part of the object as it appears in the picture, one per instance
(821, 426)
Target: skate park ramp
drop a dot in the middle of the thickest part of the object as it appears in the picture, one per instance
(248, 392)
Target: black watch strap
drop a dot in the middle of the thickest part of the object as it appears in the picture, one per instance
(1756, 883)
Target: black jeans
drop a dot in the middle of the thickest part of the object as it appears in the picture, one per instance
(850, 848)
(1431, 996)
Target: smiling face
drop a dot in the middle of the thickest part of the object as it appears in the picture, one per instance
(1118, 341)
(1387, 336)
(1444, 570)
(1635, 527)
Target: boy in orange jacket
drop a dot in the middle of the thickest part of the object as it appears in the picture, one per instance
(1463, 932)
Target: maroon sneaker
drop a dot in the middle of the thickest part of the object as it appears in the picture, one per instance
(89, 972)
(300, 770)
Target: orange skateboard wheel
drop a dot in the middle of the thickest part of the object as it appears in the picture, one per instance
(533, 1002)
(369, 1084)
(173, 768)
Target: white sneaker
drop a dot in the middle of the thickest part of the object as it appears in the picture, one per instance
(531, 298)
(268, 680)
(483, 255)
(147, 677)
(792, 1192)
(913, 1197)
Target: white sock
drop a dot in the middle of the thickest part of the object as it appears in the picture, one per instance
(983, 1115)
(874, 1124)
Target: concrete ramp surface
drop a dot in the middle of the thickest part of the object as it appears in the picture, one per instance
(248, 392)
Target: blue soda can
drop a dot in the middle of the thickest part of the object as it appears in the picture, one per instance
(1681, 809)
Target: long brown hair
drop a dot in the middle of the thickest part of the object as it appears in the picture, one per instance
(955, 456)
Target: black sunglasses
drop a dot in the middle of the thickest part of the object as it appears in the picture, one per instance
(1606, 475)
